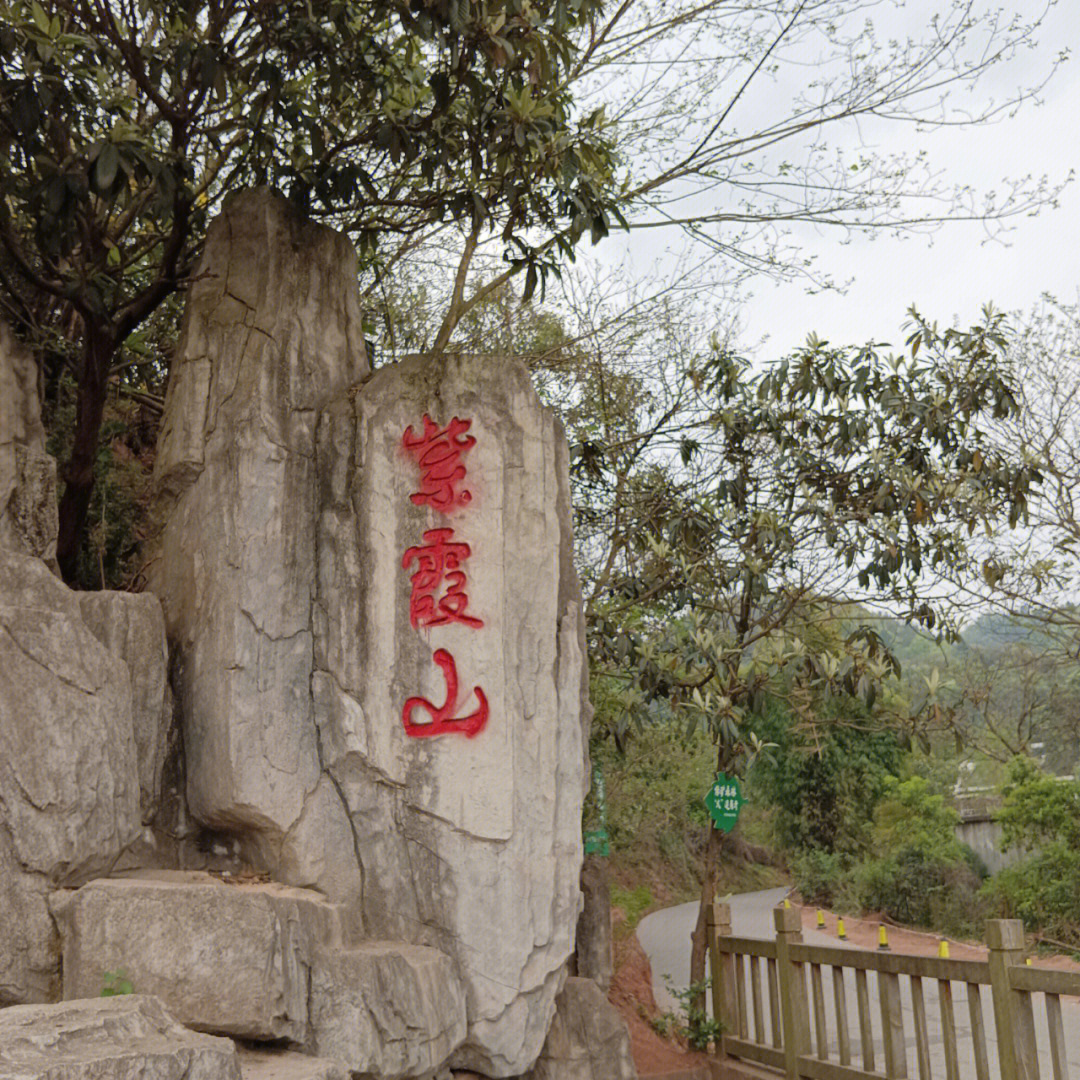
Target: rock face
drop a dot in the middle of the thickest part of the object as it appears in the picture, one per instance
(271, 332)
(371, 708)
(84, 704)
(69, 781)
(132, 627)
(28, 521)
(287, 1065)
(107, 1039)
(594, 957)
(588, 1039)
(448, 560)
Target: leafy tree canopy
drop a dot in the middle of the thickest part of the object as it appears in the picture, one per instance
(123, 124)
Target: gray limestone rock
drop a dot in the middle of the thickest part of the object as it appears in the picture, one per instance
(272, 330)
(309, 671)
(264, 962)
(120, 1038)
(230, 959)
(470, 843)
(132, 627)
(588, 1039)
(387, 1009)
(69, 783)
(278, 1064)
(28, 519)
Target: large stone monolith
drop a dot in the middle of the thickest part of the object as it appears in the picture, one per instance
(271, 333)
(377, 628)
(445, 559)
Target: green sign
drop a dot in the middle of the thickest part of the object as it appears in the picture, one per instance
(724, 801)
(596, 840)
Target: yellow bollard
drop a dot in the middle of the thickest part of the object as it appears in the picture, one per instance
(821, 919)
(787, 902)
(841, 933)
(882, 938)
(943, 949)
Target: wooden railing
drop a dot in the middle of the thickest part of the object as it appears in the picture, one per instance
(809, 1029)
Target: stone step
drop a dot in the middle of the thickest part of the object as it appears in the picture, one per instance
(229, 959)
(259, 1064)
(97, 1038)
(264, 962)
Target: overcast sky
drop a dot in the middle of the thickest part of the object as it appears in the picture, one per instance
(954, 272)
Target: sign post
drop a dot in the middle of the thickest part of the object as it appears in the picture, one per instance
(724, 802)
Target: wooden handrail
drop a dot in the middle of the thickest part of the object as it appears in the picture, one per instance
(1044, 980)
(927, 967)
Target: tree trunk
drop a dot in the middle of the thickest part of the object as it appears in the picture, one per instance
(698, 943)
(79, 472)
(593, 957)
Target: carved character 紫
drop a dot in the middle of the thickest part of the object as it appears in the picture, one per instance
(438, 452)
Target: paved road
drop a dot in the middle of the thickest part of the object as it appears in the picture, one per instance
(665, 937)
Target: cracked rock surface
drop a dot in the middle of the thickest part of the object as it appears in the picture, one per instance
(588, 1039)
(107, 1039)
(469, 844)
(271, 331)
(284, 496)
(28, 515)
(264, 962)
(69, 772)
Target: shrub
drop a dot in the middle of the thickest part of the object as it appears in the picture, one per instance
(921, 874)
(1040, 815)
(819, 876)
(913, 887)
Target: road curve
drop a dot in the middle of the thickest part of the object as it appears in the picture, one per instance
(665, 937)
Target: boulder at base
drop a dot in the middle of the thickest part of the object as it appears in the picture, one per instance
(265, 962)
(230, 959)
(108, 1038)
(387, 1009)
(69, 780)
(588, 1039)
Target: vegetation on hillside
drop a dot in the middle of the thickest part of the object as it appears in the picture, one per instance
(462, 145)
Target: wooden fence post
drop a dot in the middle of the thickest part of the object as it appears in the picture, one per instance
(1014, 1021)
(794, 1007)
(722, 972)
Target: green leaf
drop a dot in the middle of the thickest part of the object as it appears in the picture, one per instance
(41, 20)
(105, 168)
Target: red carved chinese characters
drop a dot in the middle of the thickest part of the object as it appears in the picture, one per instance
(439, 582)
(439, 561)
(443, 721)
(438, 452)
